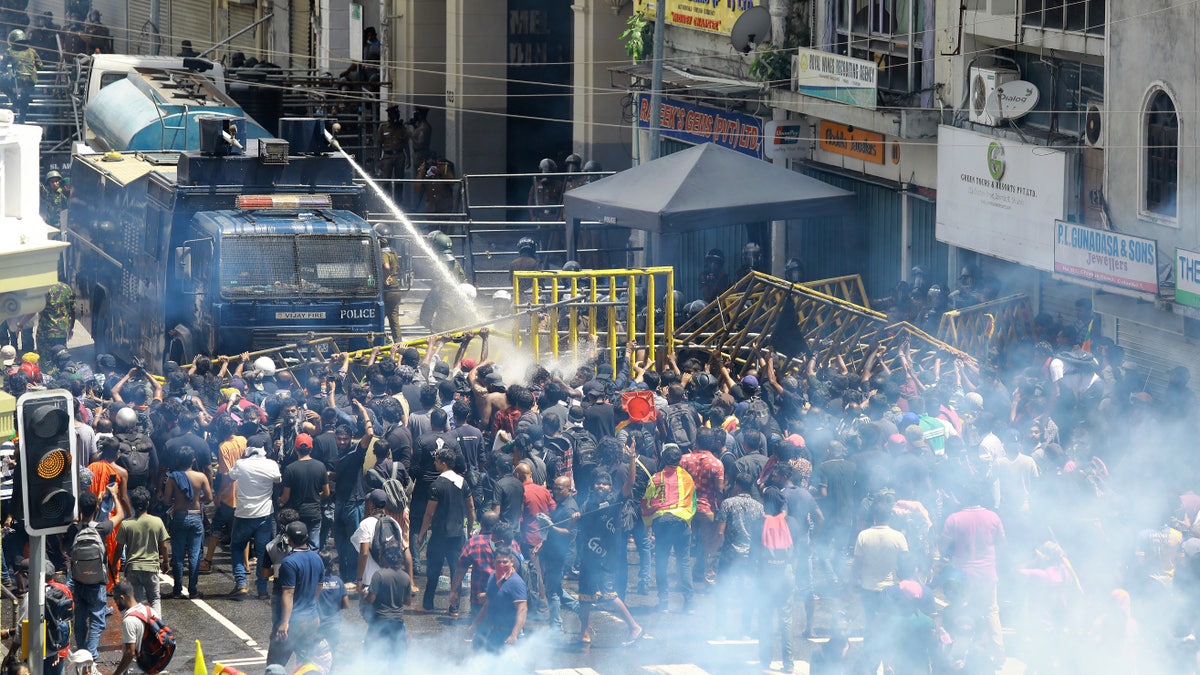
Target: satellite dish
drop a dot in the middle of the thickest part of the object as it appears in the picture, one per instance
(1011, 100)
(751, 29)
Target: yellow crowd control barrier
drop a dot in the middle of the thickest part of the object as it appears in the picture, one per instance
(761, 311)
(617, 306)
(849, 288)
(976, 328)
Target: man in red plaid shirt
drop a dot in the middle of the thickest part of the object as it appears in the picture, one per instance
(477, 555)
(709, 476)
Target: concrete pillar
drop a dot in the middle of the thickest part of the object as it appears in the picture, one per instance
(599, 133)
(476, 72)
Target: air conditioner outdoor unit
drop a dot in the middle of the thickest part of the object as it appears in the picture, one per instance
(983, 82)
(1093, 124)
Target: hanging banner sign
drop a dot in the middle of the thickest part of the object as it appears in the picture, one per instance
(1106, 257)
(710, 16)
(698, 124)
(785, 140)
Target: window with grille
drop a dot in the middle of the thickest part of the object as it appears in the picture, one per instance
(889, 32)
(296, 266)
(1162, 155)
(1077, 16)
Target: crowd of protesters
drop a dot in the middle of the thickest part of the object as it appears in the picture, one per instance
(950, 513)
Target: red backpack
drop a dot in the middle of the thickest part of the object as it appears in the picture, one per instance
(158, 643)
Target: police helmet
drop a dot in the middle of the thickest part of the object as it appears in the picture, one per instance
(715, 255)
(704, 381)
(502, 295)
(693, 308)
(441, 241)
(15, 36)
(468, 291)
(573, 162)
(918, 271)
(592, 166)
(527, 246)
(547, 165)
(384, 230)
(751, 248)
(571, 266)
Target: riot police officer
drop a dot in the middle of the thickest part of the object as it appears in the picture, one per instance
(793, 271)
(713, 280)
(444, 305)
(574, 179)
(526, 260)
(752, 260)
(545, 195)
(968, 292)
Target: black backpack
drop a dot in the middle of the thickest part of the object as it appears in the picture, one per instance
(584, 444)
(681, 425)
(59, 609)
(757, 413)
(135, 455)
(388, 538)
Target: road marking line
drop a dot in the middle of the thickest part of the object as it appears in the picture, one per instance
(677, 669)
(568, 671)
(230, 626)
(241, 662)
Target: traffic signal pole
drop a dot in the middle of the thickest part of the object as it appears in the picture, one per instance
(37, 600)
(49, 460)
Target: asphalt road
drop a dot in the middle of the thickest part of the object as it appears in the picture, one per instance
(235, 632)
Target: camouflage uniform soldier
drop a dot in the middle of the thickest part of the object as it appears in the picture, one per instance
(54, 199)
(19, 74)
(56, 320)
(392, 139)
(391, 279)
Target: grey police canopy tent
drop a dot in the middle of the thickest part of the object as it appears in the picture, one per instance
(698, 188)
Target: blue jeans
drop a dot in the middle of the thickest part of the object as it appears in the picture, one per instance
(187, 532)
(672, 534)
(91, 613)
(556, 596)
(260, 530)
(345, 522)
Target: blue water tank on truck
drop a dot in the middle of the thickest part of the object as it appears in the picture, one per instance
(244, 245)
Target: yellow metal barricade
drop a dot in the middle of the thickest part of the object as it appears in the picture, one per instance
(976, 328)
(754, 315)
(618, 306)
(849, 288)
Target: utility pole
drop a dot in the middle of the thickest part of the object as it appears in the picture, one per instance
(656, 77)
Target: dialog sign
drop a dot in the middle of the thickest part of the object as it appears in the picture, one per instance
(1106, 257)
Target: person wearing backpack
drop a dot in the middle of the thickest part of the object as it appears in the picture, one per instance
(138, 455)
(145, 639)
(89, 572)
(681, 421)
(376, 534)
(58, 610)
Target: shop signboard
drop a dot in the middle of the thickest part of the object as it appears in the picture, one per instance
(697, 124)
(1106, 257)
(999, 197)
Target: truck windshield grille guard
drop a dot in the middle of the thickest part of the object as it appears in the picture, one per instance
(288, 267)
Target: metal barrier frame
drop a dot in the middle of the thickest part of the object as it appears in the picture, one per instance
(529, 282)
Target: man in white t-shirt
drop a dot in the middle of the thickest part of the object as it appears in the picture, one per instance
(133, 625)
(255, 477)
(376, 506)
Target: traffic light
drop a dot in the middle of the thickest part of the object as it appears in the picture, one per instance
(49, 476)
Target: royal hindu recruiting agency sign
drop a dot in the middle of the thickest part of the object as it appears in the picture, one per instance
(711, 16)
(835, 78)
(999, 197)
(1106, 257)
(699, 124)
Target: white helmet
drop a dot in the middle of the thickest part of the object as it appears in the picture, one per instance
(468, 291)
(502, 295)
(265, 365)
(126, 418)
